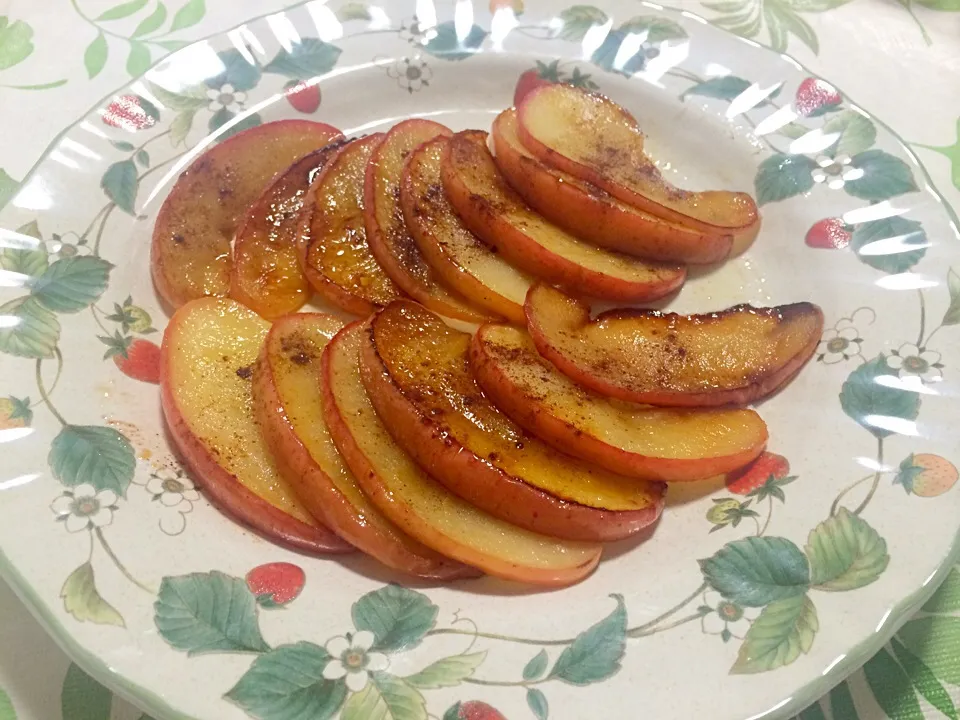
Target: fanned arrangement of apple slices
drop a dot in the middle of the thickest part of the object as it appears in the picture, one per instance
(516, 450)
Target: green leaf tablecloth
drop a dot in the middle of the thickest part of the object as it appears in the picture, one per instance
(899, 59)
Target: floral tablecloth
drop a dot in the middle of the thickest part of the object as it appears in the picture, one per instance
(899, 59)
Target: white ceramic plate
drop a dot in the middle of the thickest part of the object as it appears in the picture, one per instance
(739, 605)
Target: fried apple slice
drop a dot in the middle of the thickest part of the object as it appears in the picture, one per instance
(392, 245)
(639, 441)
(206, 363)
(286, 393)
(266, 274)
(591, 137)
(417, 374)
(421, 505)
(190, 256)
(334, 252)
(594, 215)
(492, 210)
(458, 256)
(732, 357)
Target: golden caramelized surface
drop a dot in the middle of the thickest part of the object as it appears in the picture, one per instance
(429, 362)
(191, 255)
(212, 345)
(335, 249)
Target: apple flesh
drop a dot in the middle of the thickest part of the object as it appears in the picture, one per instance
(207, 358)
(640, 441)
(190, 254)
(732, 357)
(421, 505)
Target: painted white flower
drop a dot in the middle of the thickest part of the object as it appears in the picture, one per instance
(839, 344)
(835, 171)
(84, 507)
(58, 248)
(724, 618)
(350, 658)
(226, 98)
(912, 361)
(171, 487)
(412, 74)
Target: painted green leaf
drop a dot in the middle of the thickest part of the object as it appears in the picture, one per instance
(15, 43)
(608, 55)
(95, 56)
(841, 703)
(287, 683)
(138, 59)
(857, 133)
(727, 6)
(892, 245)
(951, 152)
(924, 680)
(726, 88)
(385, 698)
(6, 707)
(783, 176)
(657, 29)
(180, 126)
(398, 617)
(845, 553)
(8, 187)
(814, 712)
(952, 316)
(793, 130)
(171, 45)
(82, 600)
(83, 698)
(815, 5)
(757, 571)
(142, 158)
(534, 669)
(24, 252)
(871, 404)
(447, 672)
(796, 26)
(537, 702)
(947, 597)
(123, 145)
(35, 331)
(207, 613)
(72, 283)
(353, 11)
(120, 184)
(884, 176)
(186, 99)
(308, 59)
(596, 653)
(223, 116)
(779, 38)
(783, 630)
(891, 687)
(188, 15)
(152, 22)
(118, 12)
(578, 20)
(237, 72)
(936, 640)
(447, 45)
(942, 5)
(92, 454)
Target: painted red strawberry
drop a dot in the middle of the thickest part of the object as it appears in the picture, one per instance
(756, 474)
(472, 710)
(829, 234)
(138, 359)
(926, 475)
(302, 97)
(515, 5)
(15, 413)
(130, 112)
(276, 584)
(815, 97)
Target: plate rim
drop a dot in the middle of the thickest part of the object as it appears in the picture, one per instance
(151, 702)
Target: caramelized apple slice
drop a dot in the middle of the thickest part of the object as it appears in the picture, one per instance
(417, 374)
(191, 256)
(594, 215)
(266, 274)
(207, 358)
(422, 506)
(287, 403)
(458, 256)
(334, 252)
(491, 209)
(594, 139)
(731, 357)
(387, 233)
(640, 441)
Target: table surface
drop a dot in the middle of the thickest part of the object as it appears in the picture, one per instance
(894, 56)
